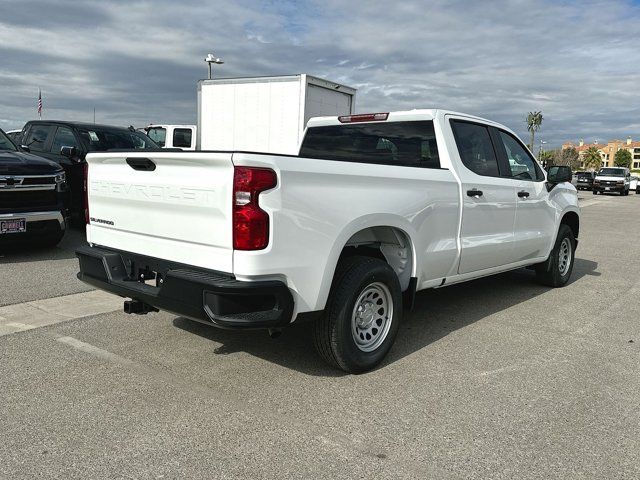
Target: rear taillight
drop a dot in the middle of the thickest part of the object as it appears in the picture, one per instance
(250, 222)
(363, 117)
(85, 191)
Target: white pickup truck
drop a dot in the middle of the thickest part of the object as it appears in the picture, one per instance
(374, 208)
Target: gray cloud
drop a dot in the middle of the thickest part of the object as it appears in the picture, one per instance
(138, 62)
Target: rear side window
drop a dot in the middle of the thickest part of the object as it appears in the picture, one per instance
(406, 144)
(182, 137)
(475, 148)
(38, 137)
(64, 138)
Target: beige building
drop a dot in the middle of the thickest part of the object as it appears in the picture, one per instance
(608, 151)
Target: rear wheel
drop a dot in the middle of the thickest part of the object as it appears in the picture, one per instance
(362, 316)
(556, 271)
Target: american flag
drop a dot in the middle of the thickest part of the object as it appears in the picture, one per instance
(40, 103)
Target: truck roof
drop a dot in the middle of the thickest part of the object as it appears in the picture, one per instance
(86, 125)
(406, 115)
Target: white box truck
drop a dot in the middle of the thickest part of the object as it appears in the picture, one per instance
(265, 114)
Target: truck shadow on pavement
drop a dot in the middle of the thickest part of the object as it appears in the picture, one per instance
(436, 314)
(66, 249)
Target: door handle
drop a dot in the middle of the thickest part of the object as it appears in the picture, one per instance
(142, 164)
(474, 193)
(523, 194)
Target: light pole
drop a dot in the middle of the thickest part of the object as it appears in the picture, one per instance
(210, 59)
(542, 142)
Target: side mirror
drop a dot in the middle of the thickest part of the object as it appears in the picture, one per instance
(25, 148)
(69, 152)
(559, 174)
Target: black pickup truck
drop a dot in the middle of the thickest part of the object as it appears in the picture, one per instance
(67, 143)
(32, 194)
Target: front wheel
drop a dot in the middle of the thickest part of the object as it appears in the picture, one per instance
(556, 271)
(362, 316)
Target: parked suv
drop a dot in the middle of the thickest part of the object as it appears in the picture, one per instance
(31, 197)
(612, 179)
(67, 143)
(585, 180)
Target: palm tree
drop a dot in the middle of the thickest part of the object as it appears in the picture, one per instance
(592, 158)
(534, 120)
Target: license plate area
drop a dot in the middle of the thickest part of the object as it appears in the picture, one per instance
(15, 225)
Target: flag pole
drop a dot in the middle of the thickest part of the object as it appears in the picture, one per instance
(40, 103)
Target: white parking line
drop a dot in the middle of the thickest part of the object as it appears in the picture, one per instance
(95, 351)
(587, 203)
(40, 313)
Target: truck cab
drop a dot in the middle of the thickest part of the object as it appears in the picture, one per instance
(68, 143)
(173, 136)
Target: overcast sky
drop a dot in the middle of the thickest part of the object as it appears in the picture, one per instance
(139, 62)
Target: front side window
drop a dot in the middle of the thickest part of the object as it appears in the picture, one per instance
(38, 137)
(407, 144)
(182, 137)
(158, 135)
(475, 148)
(522, 166)
(64, 138)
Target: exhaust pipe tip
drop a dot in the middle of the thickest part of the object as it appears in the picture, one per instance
(274, 332)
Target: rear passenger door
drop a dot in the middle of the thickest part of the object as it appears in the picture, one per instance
(489, 199)
(534, 228)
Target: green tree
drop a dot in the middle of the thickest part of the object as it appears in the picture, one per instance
(623, 158)
(547, 157)
(568, 157)
(534, 121)
(592, 158)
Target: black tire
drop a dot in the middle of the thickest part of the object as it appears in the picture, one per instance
(550, 273)
(333, 335)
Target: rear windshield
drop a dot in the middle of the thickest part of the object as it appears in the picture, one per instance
(102, 139)
(612, 172)
(408, 144)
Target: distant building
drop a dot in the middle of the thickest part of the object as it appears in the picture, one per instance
(608, 151)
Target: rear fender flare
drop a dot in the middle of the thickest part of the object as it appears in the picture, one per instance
(349, 231)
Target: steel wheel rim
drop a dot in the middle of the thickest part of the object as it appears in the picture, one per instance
(372, 316)
(564, 256)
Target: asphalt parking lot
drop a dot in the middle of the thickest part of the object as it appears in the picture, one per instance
(497, 378)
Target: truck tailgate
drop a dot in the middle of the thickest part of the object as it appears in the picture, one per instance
(174, 206)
